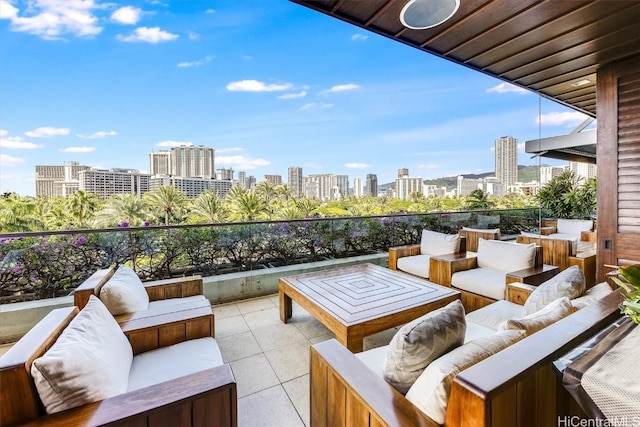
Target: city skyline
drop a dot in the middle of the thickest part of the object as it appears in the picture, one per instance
(268, 85)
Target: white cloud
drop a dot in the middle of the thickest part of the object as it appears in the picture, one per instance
(10, 161)
(359, 37)
(170, 143)
(315, 106)
(15, 142)
(77, 149)
(293, 95)
(506, 88)
(343, 88)
(53, 19)
(193, 35)
(98, 135)
(127, 15)
(568, 119)
(198, 63)
(241, 162)
(429, 166)
(256, 86)
(148, 35)
(210, 11)
(357, 165)
(229, 150)
(47, 132)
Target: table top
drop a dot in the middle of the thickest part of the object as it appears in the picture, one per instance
(362, 292)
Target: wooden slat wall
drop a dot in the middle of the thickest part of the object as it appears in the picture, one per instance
(618, 164)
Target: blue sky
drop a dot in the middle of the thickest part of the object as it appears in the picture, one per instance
(267, 83)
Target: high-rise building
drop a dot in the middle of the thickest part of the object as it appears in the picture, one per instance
(189, 161)
(342, 182)
(58, 180)
(582, 170)
(358, 187)
(192, 187)
(160, 163)
(326, 183)
(547, 173)
(242, 179)
(273, 179)
(406, 186)
(104, 183)
(506, 152)
(294, 181)
(225, 174)
(372, 184)
(403, 172)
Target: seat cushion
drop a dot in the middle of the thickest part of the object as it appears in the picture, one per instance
(89, 361)
(430, 393)
(481, 281)
(494, 315)
(569, 283)
(418, 265)
(505, 256)
(476, 330)
(178, 360)
(548, 315)
(434, 243)
(374, 359)
(422, 340)
(124, 292)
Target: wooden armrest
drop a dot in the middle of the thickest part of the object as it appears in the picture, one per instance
(176, 287)
(587, 263)
(534, 275)
(204, 398)
(337, 375)
(165, 329)
(401, 251)
(442, 267)
(545, 231)
(589, 236)
(519, 292)
(91, 286)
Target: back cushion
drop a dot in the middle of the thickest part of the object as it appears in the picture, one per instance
(574, 226)
(434, 243)
(548, 315)
(505, 256)
(124, 292)
(430, 392)
(90, 361)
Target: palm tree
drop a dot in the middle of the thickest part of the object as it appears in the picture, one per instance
(82, 204)
(209, 206)
(248, 206)
(284, 192)
(478, 199)
(122, 208)
(19, 214)
(167, 198)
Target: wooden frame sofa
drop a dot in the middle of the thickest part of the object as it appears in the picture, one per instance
(197, 398)
(474, 234)
(516, 386)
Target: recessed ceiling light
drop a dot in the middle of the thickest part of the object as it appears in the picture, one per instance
(581, 83)
(423, 14)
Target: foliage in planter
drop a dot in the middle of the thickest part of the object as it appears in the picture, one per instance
(566, 196)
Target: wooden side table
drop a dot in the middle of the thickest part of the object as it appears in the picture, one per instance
(534, 275)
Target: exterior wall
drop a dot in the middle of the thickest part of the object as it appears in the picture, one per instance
(506, 159)
(294, 181)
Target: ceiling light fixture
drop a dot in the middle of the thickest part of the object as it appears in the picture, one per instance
(581, 83)
(423, 14)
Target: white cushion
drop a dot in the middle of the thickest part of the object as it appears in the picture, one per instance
(434, 243)
(569, 283)
(505, 256)
(548, 315)
(124, 292)
(573, 226)
(493, 315)
(592, 295)
(374, 359)
(90, 361)
(481, 281)
(482, 230)
(178, 303)
(475, 330)
(418, 265)
(178, 360)
(420, 341)
(430, 393)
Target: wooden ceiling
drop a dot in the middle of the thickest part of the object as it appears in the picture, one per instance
(547, 46)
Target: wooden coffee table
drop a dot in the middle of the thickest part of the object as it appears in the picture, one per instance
(360, 300)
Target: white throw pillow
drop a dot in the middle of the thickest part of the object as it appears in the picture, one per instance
(124, 292)
(573, 226)
(548, 315)
(430, 393)
(592, 295)
(505, 256)
(434, 243)
(422, 340)
(89, 361)
(569, 283)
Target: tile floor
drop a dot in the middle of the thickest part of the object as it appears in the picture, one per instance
(270, 360)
